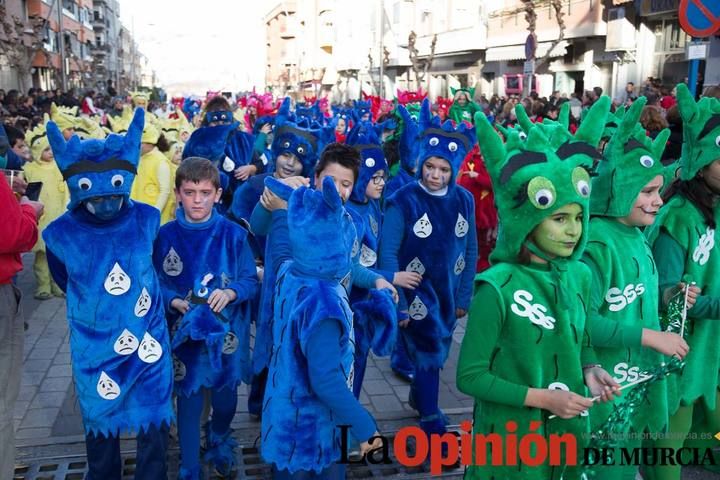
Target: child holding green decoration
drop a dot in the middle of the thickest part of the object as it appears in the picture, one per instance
(623, 319)
(683, 242)
(526, 353)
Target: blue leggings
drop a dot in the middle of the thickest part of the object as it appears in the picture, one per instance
(190, 408)
(104, 462)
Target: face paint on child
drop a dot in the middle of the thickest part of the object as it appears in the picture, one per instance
(105, 208)
(559, 234)
(647, 204)
(198, 199)
(436, 173)
(287, 165)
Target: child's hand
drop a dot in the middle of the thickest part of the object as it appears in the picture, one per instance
(242, 173)
(410, 280)
(679, 289)
(219, 299)
(181, 306)
(670, 344)
(367, 447)
(460, 312)
(601, 384)
(296, 182)
(405, 319)
(381, 283)
(272, 202)
(565, 404)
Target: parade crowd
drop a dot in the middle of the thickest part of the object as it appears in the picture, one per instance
(206, 242)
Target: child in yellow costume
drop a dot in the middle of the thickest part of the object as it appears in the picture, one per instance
(65, 119)
(54, 196)
(153, 183)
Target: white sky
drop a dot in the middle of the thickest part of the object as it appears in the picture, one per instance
(196, 45)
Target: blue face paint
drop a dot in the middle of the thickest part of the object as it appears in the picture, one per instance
(105, 208)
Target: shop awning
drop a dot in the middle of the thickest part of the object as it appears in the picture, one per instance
(517, 52)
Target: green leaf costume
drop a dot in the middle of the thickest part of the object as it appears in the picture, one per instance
(625, 279)
(463, 113)
(683, 221)
(540, 335)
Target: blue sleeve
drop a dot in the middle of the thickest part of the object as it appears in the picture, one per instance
(260, 220)
(279, 240)
(464, 293)
(322, 352)
(245, 281)
(244, 200)
(57, 269)
(363, 277)
(391, 238)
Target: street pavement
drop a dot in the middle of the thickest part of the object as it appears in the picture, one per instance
(49, 425)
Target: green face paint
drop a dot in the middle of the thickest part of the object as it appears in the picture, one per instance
(558, 235)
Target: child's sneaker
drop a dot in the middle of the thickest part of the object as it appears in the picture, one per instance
(193, 474)
(221, 452)
(43, 295)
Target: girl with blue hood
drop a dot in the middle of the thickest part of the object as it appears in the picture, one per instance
(119, 344)
(364, 206)
(429, 229)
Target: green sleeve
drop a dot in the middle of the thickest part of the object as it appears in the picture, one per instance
(670, 259)
(260, 141)
(474, 377)
(605, 332)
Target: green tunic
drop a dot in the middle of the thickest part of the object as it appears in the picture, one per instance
(624, 297)
(518, 337)
(685, 224)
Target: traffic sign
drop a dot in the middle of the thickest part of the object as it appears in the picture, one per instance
(699, 18)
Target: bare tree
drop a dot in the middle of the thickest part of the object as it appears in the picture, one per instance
(20, 42)
(420, 66)
(531, 18)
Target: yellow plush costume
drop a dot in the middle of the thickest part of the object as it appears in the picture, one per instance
(153, 183)
(54, 196)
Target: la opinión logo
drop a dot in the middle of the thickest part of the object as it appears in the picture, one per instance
(531, 449)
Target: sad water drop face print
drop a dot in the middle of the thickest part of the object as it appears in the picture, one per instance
(117, 281)
(126, 343)
(423, 228)
(150, 349)
(107, 388)
(142, 306)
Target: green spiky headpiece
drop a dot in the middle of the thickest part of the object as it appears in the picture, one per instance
(534, 177)
(631, 160)
(701, 132)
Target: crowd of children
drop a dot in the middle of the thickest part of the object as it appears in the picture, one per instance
(258, 249)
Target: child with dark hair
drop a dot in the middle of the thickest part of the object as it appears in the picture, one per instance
(207, 255)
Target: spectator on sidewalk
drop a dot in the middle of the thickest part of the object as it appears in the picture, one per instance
(18, 233)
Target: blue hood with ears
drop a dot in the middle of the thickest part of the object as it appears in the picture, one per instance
(98, 168)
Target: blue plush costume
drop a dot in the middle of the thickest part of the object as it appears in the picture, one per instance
(211, 350)
(408, 148)
(368, 220)
(306, 144)
(432, 233)
(308, 393)
(119, 345)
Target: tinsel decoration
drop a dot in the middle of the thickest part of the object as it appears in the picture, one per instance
(671, 319)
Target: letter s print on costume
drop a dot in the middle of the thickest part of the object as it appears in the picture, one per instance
(706, 243)
(114, 308)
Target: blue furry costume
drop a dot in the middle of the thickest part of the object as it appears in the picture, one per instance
(302, 412)
(119, 344)
(210, 350)
(432, 233)
(368, 220)
(408, 149)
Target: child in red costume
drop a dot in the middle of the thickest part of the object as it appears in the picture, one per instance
(474, 177)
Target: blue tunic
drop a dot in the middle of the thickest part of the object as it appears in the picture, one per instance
(118, 336)
(436, 238)
(186, 252)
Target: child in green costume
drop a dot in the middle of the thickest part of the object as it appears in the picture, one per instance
(683, 242)
(525, 347)
(623, 321)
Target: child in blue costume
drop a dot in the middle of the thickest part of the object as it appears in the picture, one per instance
(295, 150)
(308, 393)
(429, 228)
(211, 327)
(408, 150)
(364, 206)
(119, 341)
